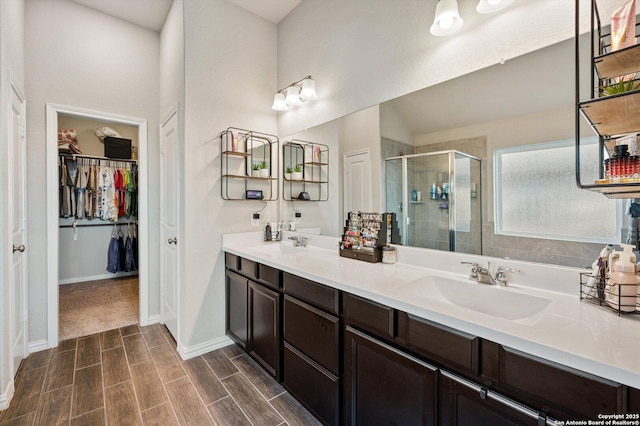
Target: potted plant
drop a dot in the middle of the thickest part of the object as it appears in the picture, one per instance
(255, 168)
(287, 173)
(297, 172)
(264, 170)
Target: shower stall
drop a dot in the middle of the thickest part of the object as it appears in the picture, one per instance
(437, 199)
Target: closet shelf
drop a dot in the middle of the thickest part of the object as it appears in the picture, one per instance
(95, 157)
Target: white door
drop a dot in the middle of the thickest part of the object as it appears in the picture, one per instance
(357, 182)
(169, 217)
(18, 218)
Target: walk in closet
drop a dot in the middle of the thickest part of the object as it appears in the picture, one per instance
(98, 226)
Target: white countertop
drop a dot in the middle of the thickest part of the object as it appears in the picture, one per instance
(570, 332)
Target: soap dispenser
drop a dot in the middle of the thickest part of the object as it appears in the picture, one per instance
(623, 283)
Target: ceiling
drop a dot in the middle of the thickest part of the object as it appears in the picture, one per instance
(151, 14)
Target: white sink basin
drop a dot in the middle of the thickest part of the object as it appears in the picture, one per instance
(487, 299)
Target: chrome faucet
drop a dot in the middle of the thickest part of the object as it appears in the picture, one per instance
(501, 277)
(483, 275)
(480, 274)
(299, 240)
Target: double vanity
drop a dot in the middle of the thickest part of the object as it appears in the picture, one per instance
(418, 342)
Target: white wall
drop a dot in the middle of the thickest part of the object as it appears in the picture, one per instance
(230, 75)
(172, 60)
(393, 126)
(361, 130)
(11, 62)
(364, 52)
(82, 58)
(325, 215)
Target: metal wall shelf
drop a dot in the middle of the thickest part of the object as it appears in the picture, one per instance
(239, 150)
(313, 159)
(610, 116)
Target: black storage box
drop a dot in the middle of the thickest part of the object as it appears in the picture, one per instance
(117, 148)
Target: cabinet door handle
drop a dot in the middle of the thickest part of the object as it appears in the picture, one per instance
(173, 240)
(19, 248)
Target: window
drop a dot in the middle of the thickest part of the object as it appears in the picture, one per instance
(536, 195)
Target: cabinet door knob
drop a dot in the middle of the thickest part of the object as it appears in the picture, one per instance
(19, 248)
(173, 240)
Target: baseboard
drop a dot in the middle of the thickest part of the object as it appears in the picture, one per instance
(98, 277)
(5, 397)
(187, 352)
(153, 319)
(37, 346)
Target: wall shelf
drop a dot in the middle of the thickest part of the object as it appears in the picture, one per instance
(610, 116)
(239, 150)
(313, 159)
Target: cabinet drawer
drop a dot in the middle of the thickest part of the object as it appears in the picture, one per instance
(316, 294)
(452, 348)
(231, 261)
(316, 388)
(582, 394)
(248, 268)
(269, 276)
(367, 315)
(634, 401)
(314, 332)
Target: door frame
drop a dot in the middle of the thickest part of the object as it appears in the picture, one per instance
(175, 111)
(52, 111)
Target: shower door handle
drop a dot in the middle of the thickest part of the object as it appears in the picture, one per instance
(19, 248)
(173, 240)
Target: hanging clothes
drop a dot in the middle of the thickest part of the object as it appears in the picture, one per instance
(129, 262)
(113, 255)
(122, 255)
(134, 244)
(81, 188)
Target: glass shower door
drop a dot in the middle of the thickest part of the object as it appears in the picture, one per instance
(393, 191)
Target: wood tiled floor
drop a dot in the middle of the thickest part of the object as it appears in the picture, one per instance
(134, 376)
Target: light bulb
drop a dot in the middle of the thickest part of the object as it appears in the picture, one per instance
(446, 23)
(293, 96)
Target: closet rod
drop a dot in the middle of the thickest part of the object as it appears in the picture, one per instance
(80, 225)
(95, 157)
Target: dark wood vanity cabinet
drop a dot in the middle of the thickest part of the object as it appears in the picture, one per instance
(237, 288)
(253, 311)
(312, 346)
(264, 327)
(464, 403)
(350, 360)
(384, 386)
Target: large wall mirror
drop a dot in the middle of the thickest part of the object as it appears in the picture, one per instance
(525, 104)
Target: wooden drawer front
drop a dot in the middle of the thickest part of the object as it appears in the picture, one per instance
(453, 348)
(318, 295)
(231, 261)
(248, 268)
(313, 332)
(315, 387)
(582, 394)
(269, 276)
(634, 401)
(368, 315)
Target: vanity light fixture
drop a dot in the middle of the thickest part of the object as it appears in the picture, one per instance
(447, 20)
(295, 94)
(490, 6)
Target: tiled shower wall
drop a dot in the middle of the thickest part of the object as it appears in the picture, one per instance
(557, 252)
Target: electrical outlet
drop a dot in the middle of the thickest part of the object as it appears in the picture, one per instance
(255, 219)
